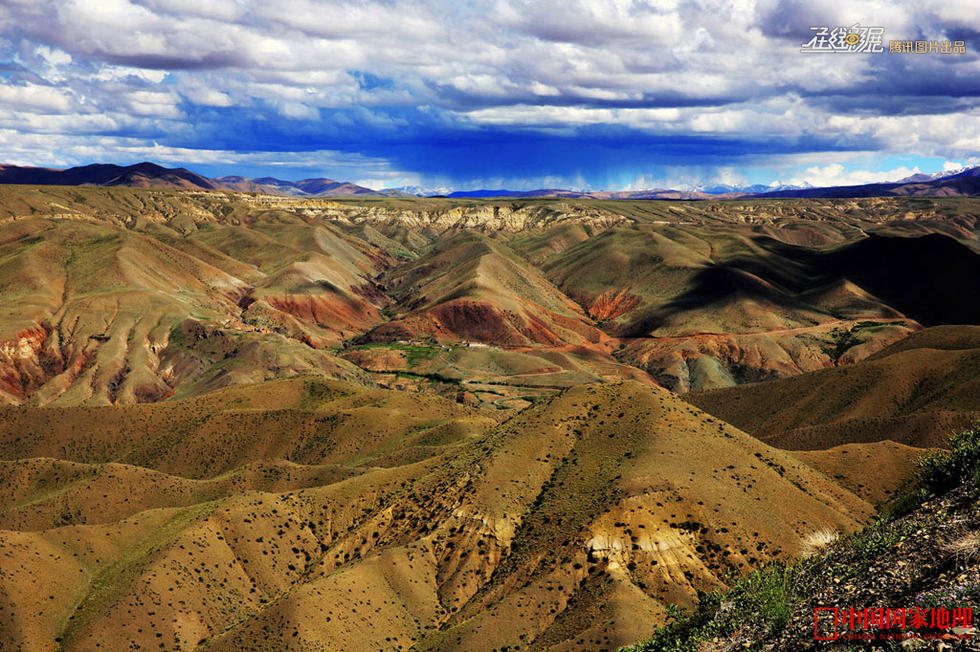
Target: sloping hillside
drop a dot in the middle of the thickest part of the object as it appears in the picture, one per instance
(714, 308)
(918, 565)
(97, 314)
(471, 288)
(914, 392)
(572, 524)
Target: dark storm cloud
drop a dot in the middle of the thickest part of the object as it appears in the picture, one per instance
(209, 61)
(792, 19)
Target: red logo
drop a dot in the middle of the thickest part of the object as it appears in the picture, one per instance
(833, 623)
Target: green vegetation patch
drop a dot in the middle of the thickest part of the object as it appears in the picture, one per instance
(944, 470)
(414, 353)
(841, 339)
(112, 582)
(765, 598)
(874, 327)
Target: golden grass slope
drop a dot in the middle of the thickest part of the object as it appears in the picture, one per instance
(636, 488)
(915, 392)
(302, 420)
(470, 288)
(569, 526)
(875, 471)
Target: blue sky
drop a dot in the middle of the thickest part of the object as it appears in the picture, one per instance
(585, 94)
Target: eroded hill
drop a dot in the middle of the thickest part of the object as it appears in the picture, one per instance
(127, 295)
(914, 392)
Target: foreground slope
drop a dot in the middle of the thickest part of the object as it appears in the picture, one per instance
(617, 478)
(920, 562)
(571, 525)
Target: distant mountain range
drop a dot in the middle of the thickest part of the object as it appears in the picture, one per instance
(957, 184)
(705, 192)
(595, 194)
(149, 175)
(753, 189)
(960, 183)
(318, 187)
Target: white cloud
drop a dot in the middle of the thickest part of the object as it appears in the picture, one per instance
(34, 98)
(544, 115)
(206, 96)
(835, 174)
(691, 68)
(122, 73)
(53, 57)
(158, 104)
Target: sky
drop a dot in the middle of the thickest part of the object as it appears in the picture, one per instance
(452, 95)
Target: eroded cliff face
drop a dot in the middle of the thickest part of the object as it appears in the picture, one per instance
(26, 363)
(481, 217)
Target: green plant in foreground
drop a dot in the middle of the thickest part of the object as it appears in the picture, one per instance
(765, 597)
(943, 470)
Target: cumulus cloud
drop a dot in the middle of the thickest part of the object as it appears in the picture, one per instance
(836, 174)
(589, 91)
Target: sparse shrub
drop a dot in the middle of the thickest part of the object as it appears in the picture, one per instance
(941, 471)
(879, 537)
(764, 597)
(966, 547)
(818, 540)
(767, 592)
